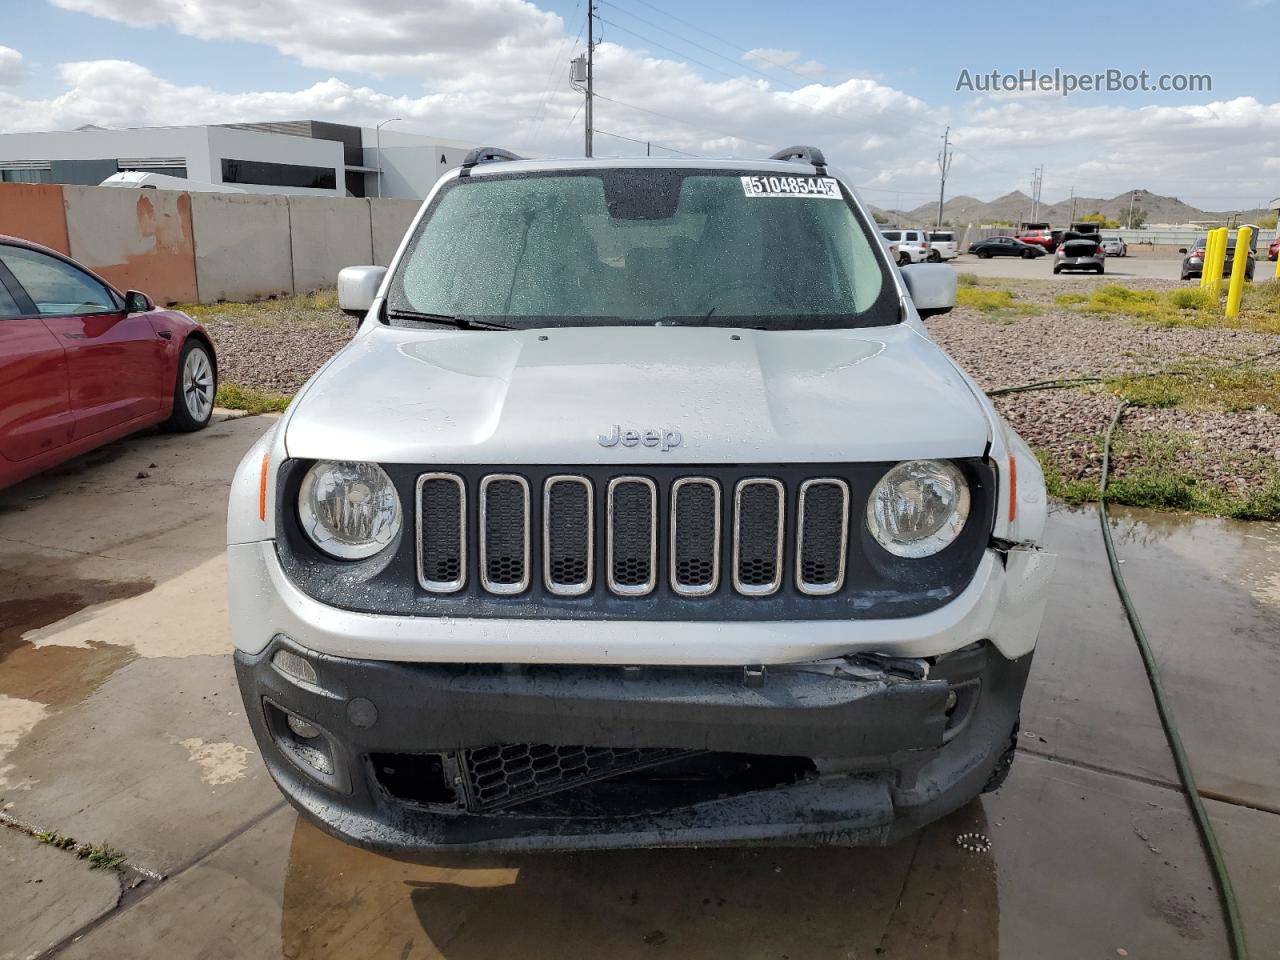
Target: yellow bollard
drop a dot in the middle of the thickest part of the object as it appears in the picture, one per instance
(1210, 239)
(1214, 264)
(1238, 267)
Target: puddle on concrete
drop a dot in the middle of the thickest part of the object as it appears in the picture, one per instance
(923, 897)
(56, 676)
(1246, 553)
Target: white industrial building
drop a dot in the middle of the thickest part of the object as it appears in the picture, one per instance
(307, 157)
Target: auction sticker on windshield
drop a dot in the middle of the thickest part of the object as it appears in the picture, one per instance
(821, 187)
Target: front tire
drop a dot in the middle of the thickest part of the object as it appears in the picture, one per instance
(904, 259)
(935, 256)
(984, 255)
(1028, 255)
(195, 387)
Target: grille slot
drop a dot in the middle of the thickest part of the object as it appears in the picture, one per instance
(504, 533)
(442, 532)
(632, 536)
(822, 536)
(695, 536)
(513, 773)
(568, 560)
(758, 523)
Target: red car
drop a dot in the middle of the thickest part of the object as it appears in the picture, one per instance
(82, 364)
(1039, 238)
(1274, 250)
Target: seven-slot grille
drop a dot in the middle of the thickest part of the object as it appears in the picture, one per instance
(568, 527)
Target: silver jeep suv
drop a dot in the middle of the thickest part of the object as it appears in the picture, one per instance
(641, 510)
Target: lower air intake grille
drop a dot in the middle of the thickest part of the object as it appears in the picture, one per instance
(504, 533)
(513, 773)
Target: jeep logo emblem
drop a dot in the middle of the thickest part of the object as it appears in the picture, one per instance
(664, 439)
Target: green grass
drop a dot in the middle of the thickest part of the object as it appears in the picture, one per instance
(55, 839)
(265, 312)
(235, 397)
(996, 305)
(967, 279)
(1159, 470)
(102, 856)
(1184, 307)
(1204, 386)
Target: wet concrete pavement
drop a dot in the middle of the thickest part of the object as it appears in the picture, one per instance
(120, 722)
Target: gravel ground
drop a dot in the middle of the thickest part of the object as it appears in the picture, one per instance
(276, 346)
(1230, 450)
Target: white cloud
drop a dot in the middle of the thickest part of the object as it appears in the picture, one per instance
(495, 71)
(12, 70)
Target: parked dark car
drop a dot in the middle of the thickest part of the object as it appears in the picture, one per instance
(1005, 247)
(82, 363)
(1078, 252)
(1193, 261)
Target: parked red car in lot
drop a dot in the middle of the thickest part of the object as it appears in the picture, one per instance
(1274, 250)
(1040, 238)
(82, 364)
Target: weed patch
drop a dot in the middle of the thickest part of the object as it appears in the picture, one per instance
(235, 397)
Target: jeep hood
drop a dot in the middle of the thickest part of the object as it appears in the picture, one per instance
(543, 396)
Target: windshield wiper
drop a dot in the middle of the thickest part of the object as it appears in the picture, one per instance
(448, 319)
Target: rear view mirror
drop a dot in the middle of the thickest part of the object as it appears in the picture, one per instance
(932, 287)
(357, 288)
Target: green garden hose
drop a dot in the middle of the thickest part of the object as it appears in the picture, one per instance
(1235, 930)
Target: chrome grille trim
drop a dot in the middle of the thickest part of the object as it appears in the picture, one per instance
(443, 586)
(694, 590)
(632, 590)
(822, 589)
(568, 589)
(765, 589)
(489, 585)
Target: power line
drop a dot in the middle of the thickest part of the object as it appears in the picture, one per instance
(663, 46)
(692, 126)
(720, 39)
(647, 143)
(546, 96)
(735, 61)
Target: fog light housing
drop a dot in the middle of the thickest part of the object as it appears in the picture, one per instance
(301, 728)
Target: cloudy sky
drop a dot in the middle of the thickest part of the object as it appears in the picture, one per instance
(874, 87)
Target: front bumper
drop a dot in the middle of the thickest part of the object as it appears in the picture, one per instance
(870, 753)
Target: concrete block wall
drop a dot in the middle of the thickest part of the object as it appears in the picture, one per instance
(205, 247)
(136, 239)
(243, 249)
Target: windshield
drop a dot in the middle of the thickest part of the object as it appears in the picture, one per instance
(643, 245)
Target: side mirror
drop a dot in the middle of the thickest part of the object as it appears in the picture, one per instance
(357, 288)
(137, 302)
(932, 288)
(1182, 249)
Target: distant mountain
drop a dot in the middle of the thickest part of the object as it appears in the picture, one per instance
(1016, 207)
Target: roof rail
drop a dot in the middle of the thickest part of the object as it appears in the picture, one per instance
(805, 155)
(484, 155)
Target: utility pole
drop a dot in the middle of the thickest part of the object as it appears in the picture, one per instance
(1131, 195)
(944, 165)
(1037, 177)
(591, 48)
(1073, 206)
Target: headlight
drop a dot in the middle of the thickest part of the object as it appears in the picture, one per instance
(918, 507)
(349, 510)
